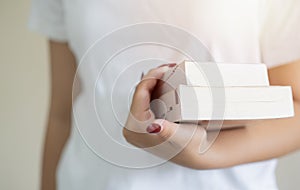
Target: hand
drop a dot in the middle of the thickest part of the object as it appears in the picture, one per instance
(178, 142)
(264, 140)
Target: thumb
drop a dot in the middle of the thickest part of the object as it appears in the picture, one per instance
(163, 128)
(178, 134)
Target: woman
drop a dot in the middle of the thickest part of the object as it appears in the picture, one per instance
(233, 31)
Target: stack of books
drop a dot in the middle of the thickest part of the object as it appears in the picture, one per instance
(194, 91)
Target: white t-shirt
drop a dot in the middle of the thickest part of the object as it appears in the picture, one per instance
(250, 31)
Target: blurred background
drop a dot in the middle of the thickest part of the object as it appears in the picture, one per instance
(24, 83)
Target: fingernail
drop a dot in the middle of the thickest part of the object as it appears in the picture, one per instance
(154, 128)
(172, 64)
(168, 64)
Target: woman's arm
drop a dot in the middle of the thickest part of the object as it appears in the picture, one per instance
(63, 69)
(263, 140)
(269, 138)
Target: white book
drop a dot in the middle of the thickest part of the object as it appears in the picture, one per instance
(188, 103)
(219, 74)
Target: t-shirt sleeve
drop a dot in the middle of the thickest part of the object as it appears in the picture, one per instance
(280, 33)
(47, 17)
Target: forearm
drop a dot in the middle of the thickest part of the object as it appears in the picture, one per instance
(264, 140)
(261, 140)
(63, 68)
(56, 136)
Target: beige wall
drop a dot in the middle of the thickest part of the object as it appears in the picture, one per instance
(24, 94)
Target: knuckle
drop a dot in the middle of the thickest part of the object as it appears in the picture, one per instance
(141, 93)
(151, 71)
(151, 74)
(165, 133)
(142, 85)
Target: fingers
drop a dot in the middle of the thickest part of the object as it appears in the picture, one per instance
(149, 80)
(135, 124)
(168, 64)
(166, 130)
(155, 73)
(140, 115)
(179, 133)
(142, 95)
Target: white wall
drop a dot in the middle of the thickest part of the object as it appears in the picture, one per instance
(24, 101)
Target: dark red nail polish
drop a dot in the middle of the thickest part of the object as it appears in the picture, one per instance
(168, 64)
(172, 64)
(154, 128)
